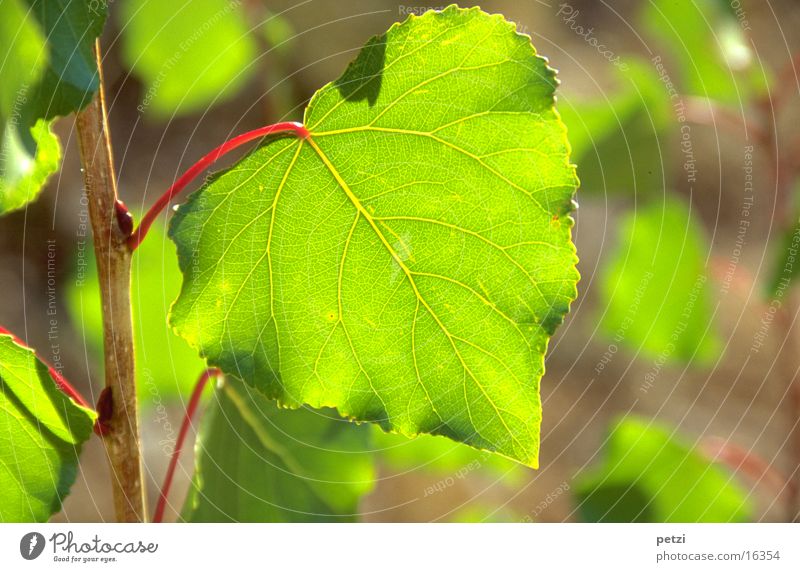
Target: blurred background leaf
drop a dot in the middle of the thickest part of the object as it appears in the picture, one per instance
(708, 47)
(648, 475)
(656, 294)
(22, 173)
(47, 70)
(190, 54)
(617, 143)
(442, 456)
(258, 463)
(786, 265)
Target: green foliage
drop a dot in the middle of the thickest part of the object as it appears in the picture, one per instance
(406, 268)
(649, 476)
(70, 78)
(22, 174)
(48, 69)
(25, 56)
(618, 143)
(655, 289)
(190, 55)
(442, 456)
(166, 367)
(256, 463)
(41, 433)
(709, 46)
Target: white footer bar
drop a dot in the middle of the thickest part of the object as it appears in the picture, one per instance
(399, 547)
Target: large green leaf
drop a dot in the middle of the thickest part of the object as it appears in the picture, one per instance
(189, 54)
(41, 433)
(650, 476)
(408, 262)
(656, 294)
(166, 367)
(257, 463)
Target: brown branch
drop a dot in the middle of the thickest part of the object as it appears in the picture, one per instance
(121, 435)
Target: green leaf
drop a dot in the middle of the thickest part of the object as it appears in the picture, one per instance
(408, 262)
(483, 512)
(23, 175)
(650, 476)
(48, 70)
(41, 433)
(70, 79)
(619, 142)
(22, 172)
(655, 290)
(190, 55)
(257, 463)
(166, 367)
(441, 456)
(25, 55)
(708, 43)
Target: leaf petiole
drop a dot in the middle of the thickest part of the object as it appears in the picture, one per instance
(210, 158)
(62, 383)
(194, 401)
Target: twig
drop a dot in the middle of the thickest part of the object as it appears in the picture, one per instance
(121, 436)
(194, 401)
(741, 460)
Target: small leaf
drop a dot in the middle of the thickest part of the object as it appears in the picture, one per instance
(189, 55)
(70, 79)
(41, 433)
(48, 70)
(23, 175)
(166, 367)
(408, 262)
(257, 463)
(656, 294)
(650, 476)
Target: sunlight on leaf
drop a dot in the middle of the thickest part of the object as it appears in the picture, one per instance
(408, 262)
(41, 433)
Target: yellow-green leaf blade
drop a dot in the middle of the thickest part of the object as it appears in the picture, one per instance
(408, 262)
